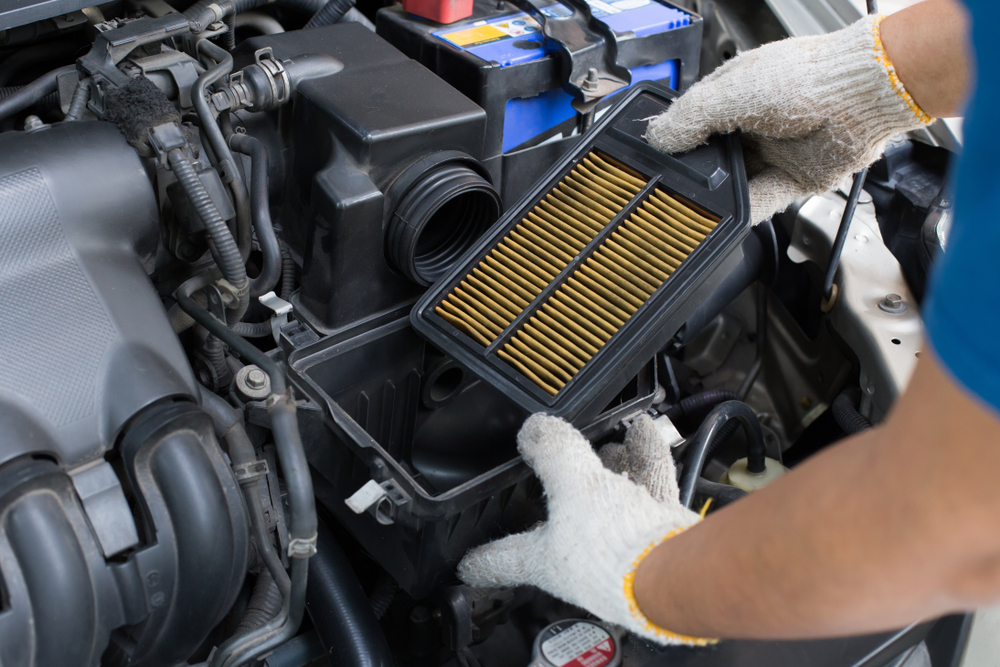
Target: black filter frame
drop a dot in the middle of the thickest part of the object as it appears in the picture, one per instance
(711, 177)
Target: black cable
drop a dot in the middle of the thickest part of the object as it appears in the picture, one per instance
(229, 260)
(758, 362)
(847, 416)
(705, 441)
(81, 95)
(287, 272)
(841, 238)
(209, 125)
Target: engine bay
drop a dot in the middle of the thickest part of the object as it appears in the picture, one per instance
(279, 285)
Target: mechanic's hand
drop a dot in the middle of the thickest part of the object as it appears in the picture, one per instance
(813, 110)
(601, 525)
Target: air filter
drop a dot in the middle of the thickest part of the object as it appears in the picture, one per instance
(582, 281)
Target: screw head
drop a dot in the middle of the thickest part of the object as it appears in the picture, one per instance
(256, 379)
(892, 303)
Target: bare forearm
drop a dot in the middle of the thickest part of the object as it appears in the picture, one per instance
(927, 45)
(877, 532)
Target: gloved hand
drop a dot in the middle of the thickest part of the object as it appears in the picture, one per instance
(813, 111)
(601, 525)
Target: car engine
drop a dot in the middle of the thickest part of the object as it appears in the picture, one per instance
(246, 410)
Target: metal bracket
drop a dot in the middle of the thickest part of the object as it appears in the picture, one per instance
(588, 51)
(380, 500)
(281, 310)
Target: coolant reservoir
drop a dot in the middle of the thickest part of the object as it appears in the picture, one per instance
(741, 478)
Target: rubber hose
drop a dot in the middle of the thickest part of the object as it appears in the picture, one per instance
(721, 494)
(50, 100)
(263, 23)
(287, 273)
(260, 212)
(331, 13)
(698, 402)
(252, 329)
(383, 594)
(265, 603)
(706, 439)
(33, 92)
(79, 103)
(339, 610)
(354, 15)
(230, 262)
(847, 416)
(229, 38)
(284, 425)
(29, 56)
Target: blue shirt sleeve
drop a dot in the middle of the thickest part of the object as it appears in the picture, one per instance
(962, 314)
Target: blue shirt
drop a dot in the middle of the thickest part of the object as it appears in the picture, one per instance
(962, 314)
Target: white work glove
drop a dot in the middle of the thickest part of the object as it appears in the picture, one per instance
(813, 111)
(601, 525)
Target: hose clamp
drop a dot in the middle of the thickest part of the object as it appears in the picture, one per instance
(276, 72)
(247, 472)
(302, 548)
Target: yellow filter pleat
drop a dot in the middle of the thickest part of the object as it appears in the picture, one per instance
(606, 289)
(530, 256)
(599, 296)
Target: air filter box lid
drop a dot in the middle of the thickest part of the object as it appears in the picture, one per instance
(596, 268)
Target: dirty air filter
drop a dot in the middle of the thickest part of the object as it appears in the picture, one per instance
(596, 268)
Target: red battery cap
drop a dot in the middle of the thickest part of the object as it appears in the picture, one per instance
(441, 11)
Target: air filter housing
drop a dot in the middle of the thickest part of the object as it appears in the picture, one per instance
(596, 268)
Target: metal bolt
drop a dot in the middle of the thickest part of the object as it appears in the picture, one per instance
(591, 83)
(32, 123)
(256, 379)
(892, 303)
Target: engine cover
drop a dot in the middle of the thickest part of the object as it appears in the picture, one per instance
(88, 359)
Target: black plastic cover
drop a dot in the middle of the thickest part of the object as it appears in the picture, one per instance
(711, 176)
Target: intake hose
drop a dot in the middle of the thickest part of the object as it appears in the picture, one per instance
(330, 13)
(847, 416)
(339, 610)
(33, 92)
(230, 262)
(260, 210)
(706, 439)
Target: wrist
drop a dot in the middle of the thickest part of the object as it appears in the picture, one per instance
(642, 582)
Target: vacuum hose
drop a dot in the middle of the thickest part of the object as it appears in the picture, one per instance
(706, 439)
(260, 210)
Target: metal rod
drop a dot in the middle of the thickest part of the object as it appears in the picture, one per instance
(841, 238)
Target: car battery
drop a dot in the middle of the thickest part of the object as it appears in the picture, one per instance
(498, 58)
